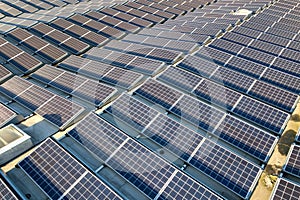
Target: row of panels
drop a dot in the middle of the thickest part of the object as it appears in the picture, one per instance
(57, 110)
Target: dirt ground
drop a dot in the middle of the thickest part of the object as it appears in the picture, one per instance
(268, 178)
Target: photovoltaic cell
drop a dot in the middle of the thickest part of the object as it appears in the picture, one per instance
(285, 189)
(197, 113)
(226, 46)
(5, 192)
(246, 137)
(98, 136)
(227, 168)
(213, 55)
(126, 107)
(158, 93)
(262, 114)
(257, 56)
(14, 86)
(292, 165)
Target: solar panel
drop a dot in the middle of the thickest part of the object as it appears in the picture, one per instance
(90, 187)
(198, 113)
(94, 92)
(286, 66)
(292, 165)
(4, 73)
(125, 107)
(216, 162)
(274, 96)
(5, 115)
(237, 38)
(290, 54)
(245, 66)
(59, 111)
(246, 31)
(285, 189)
(98, 136)
(33, 97)
(182, 187)
(281, 33)
(233, 79)
(262, 114)
(257, 56)
(213, 55)
(227, 46)
(5, 192)
(61, 176)
(14, 86)
(158, 93)
(274, 39)
(173, 136)
(198, 66)
(142, 168)
(217, 94)
(266, 47)
(53, 169)
(180, 78)
(283, 80)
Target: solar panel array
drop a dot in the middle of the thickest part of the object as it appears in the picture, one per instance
(54, 108)
(208, 123)
(75, 85)
(142, 168)
(59, 175)
(167, 133)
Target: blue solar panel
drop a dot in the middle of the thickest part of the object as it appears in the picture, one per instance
(292, 165)
(285, 189)
(5, 192)
(266, 116)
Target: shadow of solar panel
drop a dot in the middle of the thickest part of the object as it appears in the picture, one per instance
(262, 114)
(292, 165)
(197, 113)
(285, 189)
(126, 107)
(198, 66)
(243, 173)
(158, 93)
(5, 192)
(98, 136)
